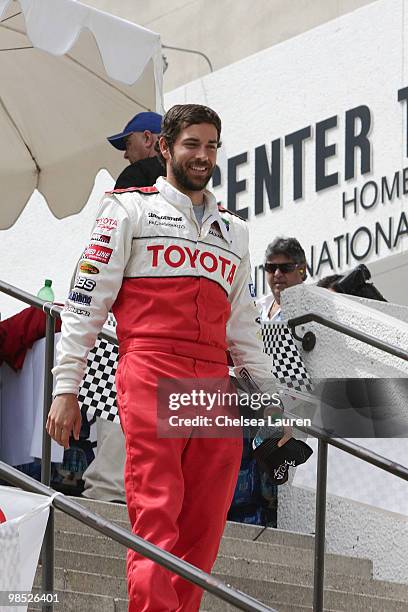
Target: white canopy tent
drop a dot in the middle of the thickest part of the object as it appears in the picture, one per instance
(70, 75)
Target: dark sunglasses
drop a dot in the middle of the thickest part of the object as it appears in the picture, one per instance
(285, 268)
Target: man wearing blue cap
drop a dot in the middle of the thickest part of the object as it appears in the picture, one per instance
(104, 476)
(138, 140)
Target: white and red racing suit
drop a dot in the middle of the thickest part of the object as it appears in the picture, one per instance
(181, 297)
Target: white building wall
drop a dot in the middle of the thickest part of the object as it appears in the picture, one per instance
(298, 84)
(340, 356)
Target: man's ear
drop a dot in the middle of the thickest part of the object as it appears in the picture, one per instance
(164, 148)
(302, 272)
(148, 138)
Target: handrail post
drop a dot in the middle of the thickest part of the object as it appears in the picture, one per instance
(47, 551)
(320, 529)
(48, 387)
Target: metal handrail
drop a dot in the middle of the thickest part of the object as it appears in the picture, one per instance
(308, 343)
(351, 448)
(346, 330)
(151, 551)
(357, 451)
(187, 571)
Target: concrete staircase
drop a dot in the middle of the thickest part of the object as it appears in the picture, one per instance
(277, 568)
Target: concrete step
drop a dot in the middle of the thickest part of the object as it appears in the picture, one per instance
(109, 510)
(70, 601)
(269, 592)
(112, 564)
(230, 547)
(90, 562)
(260, 570)
(278, 566)
(64, 522)
(293, 557)
(86, 582)
(295, 595)
(239, 556)
(280, 607)
(118, 514)
(121, 605)
(277, 605)
(269, 535)
(232, 566)
(84, 543)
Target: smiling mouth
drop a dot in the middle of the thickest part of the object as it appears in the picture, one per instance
(200, 169)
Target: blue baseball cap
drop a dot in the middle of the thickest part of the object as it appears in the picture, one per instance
(140, 122)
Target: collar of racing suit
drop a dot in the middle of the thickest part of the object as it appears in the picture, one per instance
(180, 200)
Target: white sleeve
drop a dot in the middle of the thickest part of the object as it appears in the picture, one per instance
(244, 334)
(98, 279)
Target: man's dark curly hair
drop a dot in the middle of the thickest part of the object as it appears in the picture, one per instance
(181, 116)
(290, 247)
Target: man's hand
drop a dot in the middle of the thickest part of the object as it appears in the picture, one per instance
(287, 435)
(64, 417)
(287, 430)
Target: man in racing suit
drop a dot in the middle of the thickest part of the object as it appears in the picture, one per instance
(178, 284)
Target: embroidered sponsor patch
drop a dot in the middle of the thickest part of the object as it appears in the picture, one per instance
(80, 311)
(165, 220)
(107, 224)
(164, 217)
(101, 238)
(98, 253)
(87, 268)
(85, 283)
(175, 256)
(81, 298)
(215, 230)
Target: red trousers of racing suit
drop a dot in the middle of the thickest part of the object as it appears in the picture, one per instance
(178, 490)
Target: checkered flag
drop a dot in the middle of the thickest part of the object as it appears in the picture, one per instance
(287, 364)
(97, 393)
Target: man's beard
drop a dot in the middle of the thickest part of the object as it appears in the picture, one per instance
(183, 179)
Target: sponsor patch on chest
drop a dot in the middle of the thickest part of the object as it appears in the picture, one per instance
(155, 218)
(192, 259)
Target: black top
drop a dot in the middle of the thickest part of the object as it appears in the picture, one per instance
(143, 173)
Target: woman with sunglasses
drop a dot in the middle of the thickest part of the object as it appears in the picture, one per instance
(285, 266)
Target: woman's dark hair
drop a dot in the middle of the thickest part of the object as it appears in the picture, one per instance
(181, 116)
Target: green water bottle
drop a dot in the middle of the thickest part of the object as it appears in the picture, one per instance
(46, 293)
